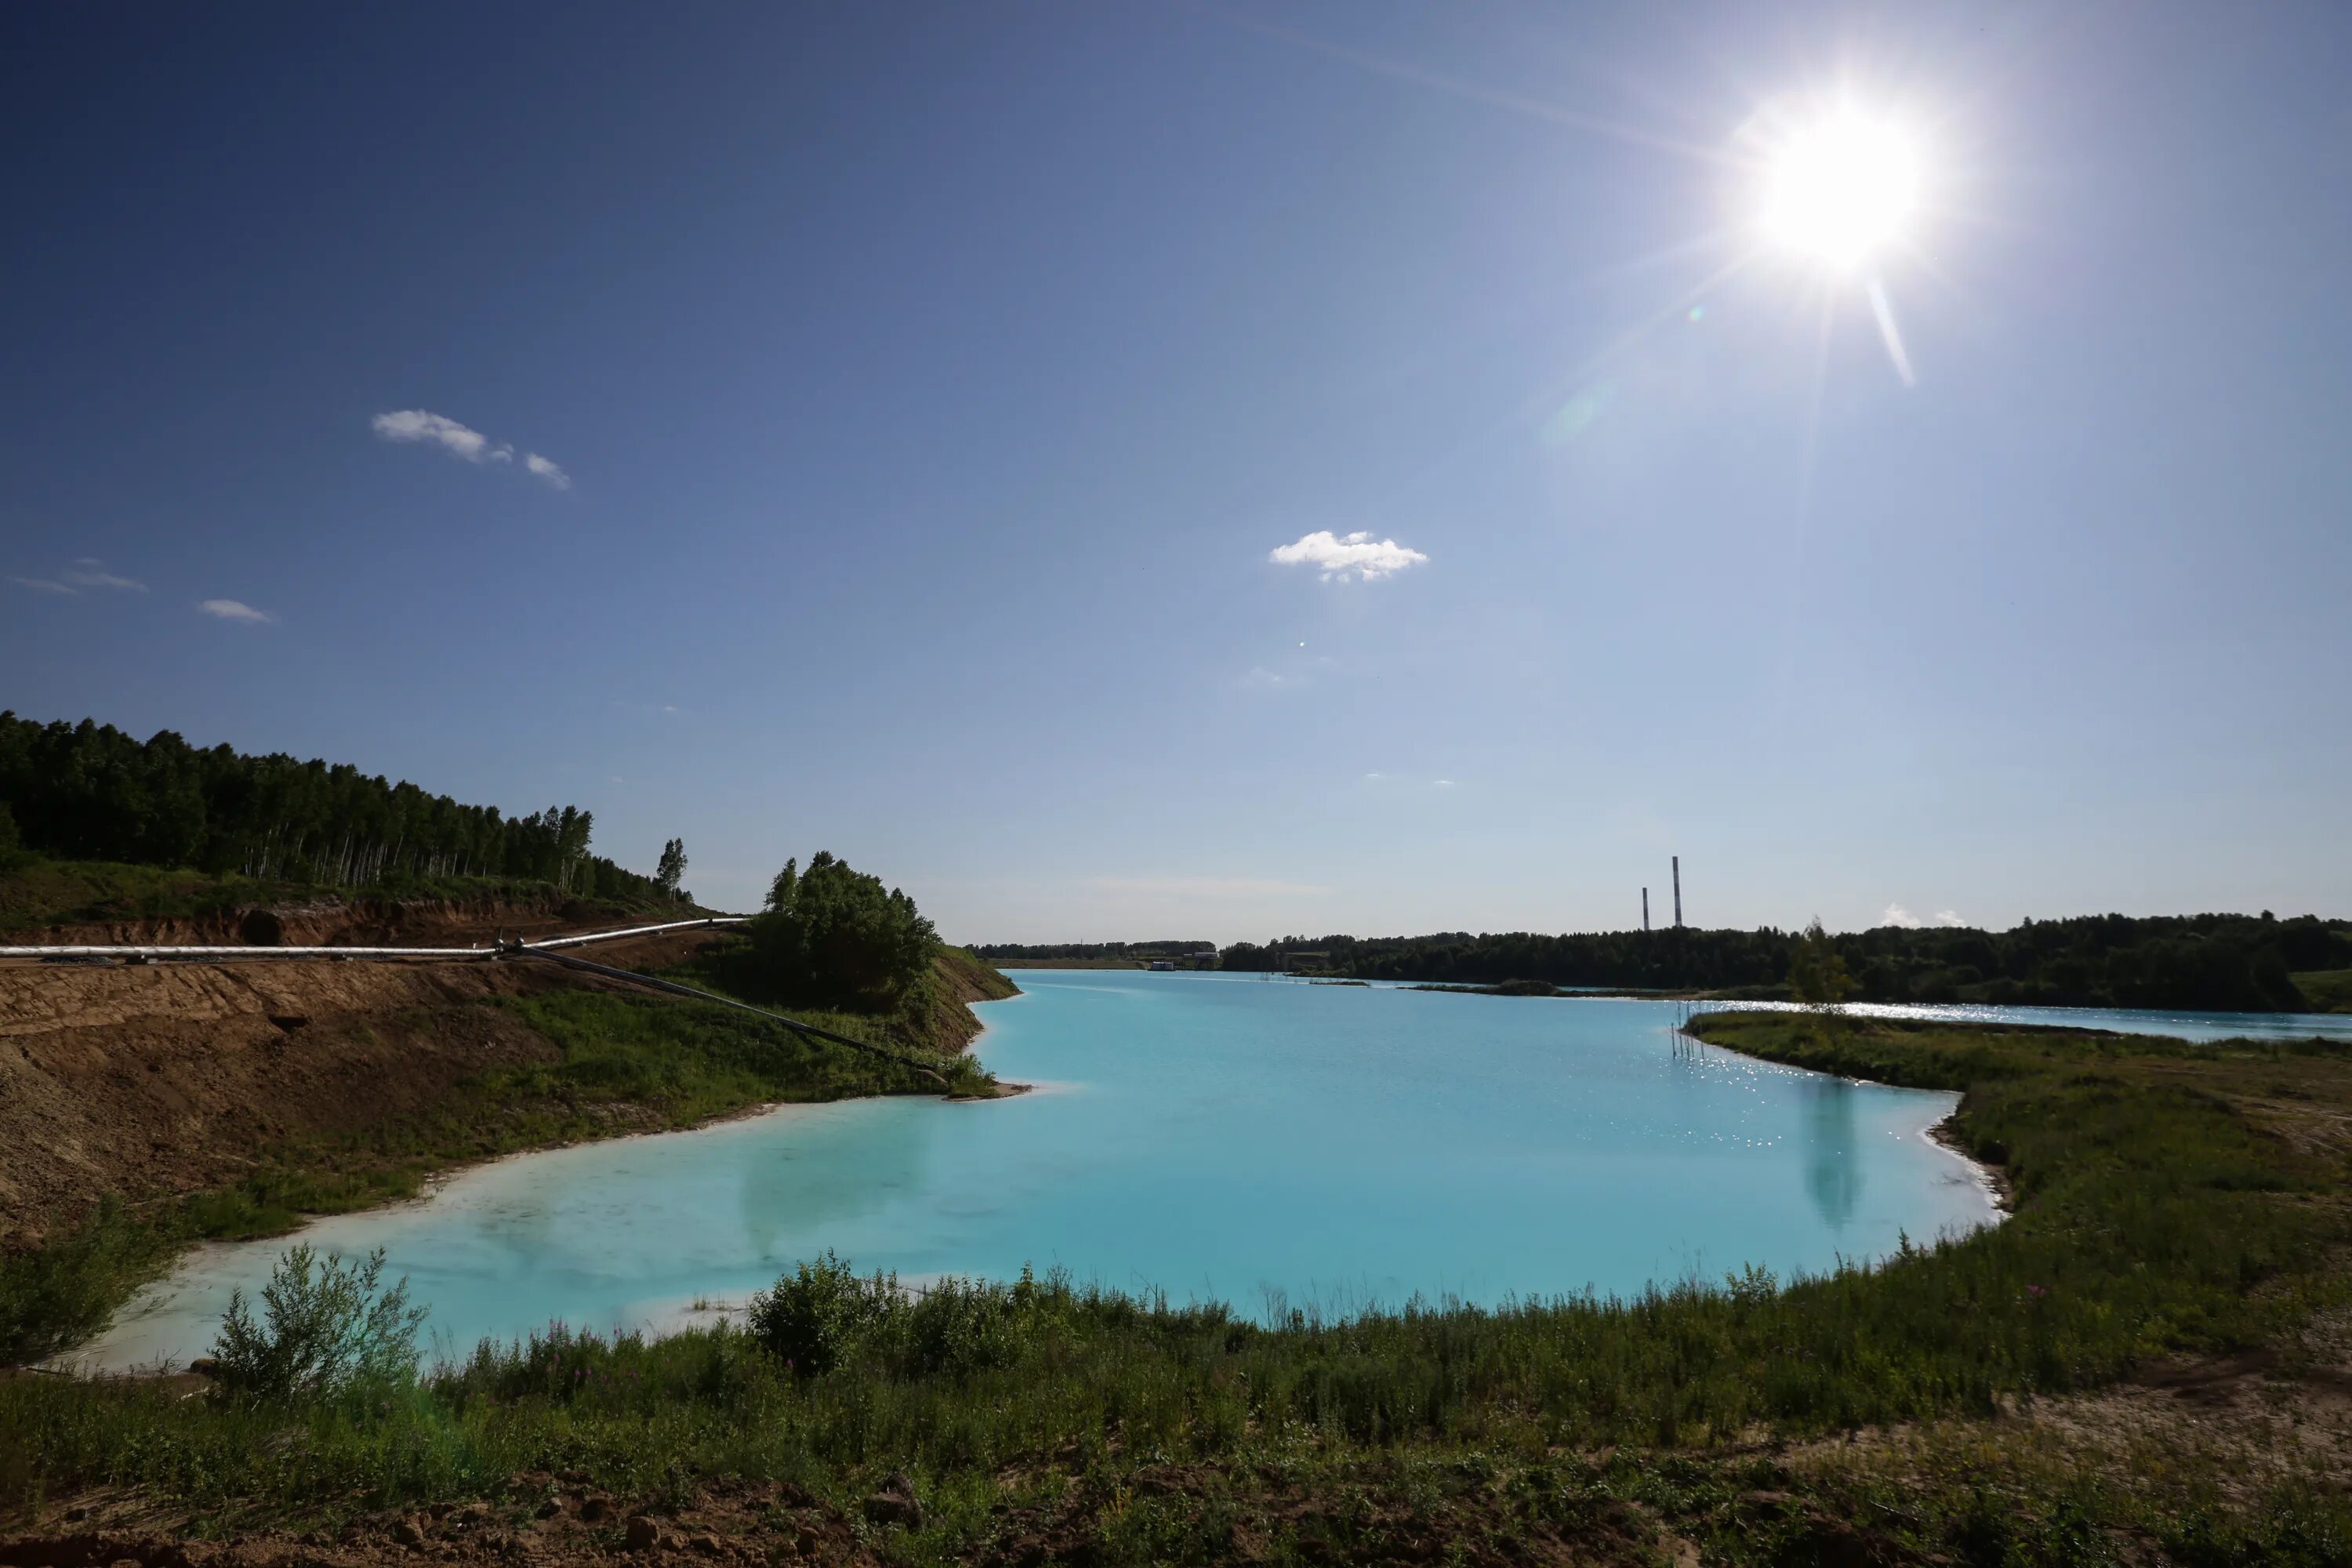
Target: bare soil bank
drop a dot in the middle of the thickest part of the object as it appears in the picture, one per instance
(152, 1081)
(347, 922)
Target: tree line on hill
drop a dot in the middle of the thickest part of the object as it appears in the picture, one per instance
(89, 792)
(2211, 962)
(1139, 951)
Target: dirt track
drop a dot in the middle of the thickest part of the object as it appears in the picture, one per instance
(142, 1081)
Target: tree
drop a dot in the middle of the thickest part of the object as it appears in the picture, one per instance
(1816, 976)
(667, 874)
(836, 937)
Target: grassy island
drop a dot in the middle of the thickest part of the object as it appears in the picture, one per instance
(2137, 1366)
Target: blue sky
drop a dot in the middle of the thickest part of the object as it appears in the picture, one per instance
(919, 395)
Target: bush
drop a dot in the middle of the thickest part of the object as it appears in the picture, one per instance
(327, 1326)
(836, 937)
(963, 1325)
(816, 1317)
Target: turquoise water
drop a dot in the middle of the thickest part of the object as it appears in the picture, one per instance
(1211, 1136)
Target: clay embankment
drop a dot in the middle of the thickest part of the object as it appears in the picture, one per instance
(142, 1081)
(354, 922)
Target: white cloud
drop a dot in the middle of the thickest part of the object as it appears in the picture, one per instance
(1896, 915)
(231, 610)
(410, 424)
(86, 572)
(417, 424)
(1358, 553)
(1203, 886)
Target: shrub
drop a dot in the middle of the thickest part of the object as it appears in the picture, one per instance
(818, 1315)
(326, 1326)
(961, 1325)
(836, 937)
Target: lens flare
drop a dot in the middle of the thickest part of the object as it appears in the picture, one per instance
(1841, 190)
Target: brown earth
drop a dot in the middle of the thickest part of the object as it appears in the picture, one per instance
(142, 1081)
(349, 923)
(551, 1521)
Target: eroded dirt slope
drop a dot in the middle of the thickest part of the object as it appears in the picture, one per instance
(142, 1081)
(349, 922)
(146, 1080)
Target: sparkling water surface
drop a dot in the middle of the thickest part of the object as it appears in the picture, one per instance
(1215, 1137)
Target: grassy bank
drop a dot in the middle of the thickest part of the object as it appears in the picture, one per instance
(2328, 990)
(624, 1064)
(2172, 1202)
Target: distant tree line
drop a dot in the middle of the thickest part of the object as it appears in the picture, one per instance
(89, 792)
(1014, 952)
(2206, 963)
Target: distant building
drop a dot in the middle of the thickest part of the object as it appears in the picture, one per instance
(1163, 963)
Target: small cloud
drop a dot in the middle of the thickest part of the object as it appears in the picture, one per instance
(419, 424)
(672, 708)
(88, 573)
(1896, 915)
(232, 610)
(1261, 678)
(1444, 783)
(1358, 553)
(413, 424)
(1949, 918)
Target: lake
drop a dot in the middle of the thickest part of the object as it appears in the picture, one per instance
(1211, 1136)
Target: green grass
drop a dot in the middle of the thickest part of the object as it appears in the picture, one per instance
(2163, 1208)
(2327, 990)
(627, 1064)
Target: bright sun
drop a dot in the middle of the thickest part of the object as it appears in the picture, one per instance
(1842, 189)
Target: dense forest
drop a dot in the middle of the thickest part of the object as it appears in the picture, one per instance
(1139, 951)
(2215, 962)
(88, 792)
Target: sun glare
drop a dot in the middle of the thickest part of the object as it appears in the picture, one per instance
(1841, 190)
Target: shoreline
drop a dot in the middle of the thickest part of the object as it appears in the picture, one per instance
(1944, 1133)
(1993, 1179)
(175, 1252)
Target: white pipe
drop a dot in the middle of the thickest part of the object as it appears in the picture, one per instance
(152, 951)
(637, 931)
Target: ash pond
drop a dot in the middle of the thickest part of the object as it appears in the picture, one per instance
(1213, 1137)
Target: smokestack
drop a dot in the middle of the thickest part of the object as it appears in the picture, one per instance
(1645, 909)
(1678, 893)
